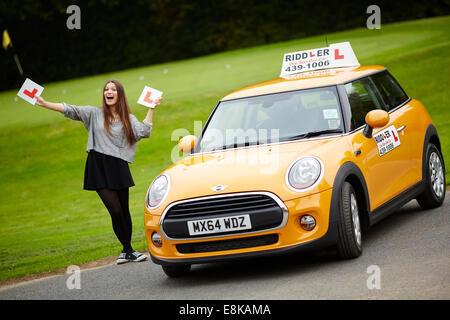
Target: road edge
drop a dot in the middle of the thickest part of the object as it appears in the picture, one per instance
(103, 262)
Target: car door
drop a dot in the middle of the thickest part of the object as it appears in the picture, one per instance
(383, 159)
(403, 113)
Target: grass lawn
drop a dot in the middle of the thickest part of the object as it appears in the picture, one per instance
(47, 221)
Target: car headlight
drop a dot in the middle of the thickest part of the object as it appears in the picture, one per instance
(304, 173)
(158, 191)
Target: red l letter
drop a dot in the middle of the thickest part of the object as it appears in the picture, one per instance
(30, 94)
(337, 56)
(147, 97)
(395, 138)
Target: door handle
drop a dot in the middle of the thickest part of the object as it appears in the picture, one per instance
(401, 128)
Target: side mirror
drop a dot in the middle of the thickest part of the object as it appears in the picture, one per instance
(375, 119)
(187, 143)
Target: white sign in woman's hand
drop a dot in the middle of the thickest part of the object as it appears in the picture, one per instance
(150, 97)
(30, 91)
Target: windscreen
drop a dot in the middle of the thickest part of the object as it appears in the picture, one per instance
(272, 118)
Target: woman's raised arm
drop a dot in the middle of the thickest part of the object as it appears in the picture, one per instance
(49, 105)
(149, 117)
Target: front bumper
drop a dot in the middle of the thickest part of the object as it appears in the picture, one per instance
(284, 239)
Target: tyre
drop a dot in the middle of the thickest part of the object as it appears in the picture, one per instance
(176, 271)
(434, 193)
(349, 244)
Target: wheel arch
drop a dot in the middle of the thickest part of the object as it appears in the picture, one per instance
(351, 173)
(431, 136)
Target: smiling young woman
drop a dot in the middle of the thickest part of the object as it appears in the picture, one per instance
(112, 136)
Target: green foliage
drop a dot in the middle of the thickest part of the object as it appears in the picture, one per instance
(48, 222)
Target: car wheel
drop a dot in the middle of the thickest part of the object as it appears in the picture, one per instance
(434, 193)
(349, 227)
(176, 271)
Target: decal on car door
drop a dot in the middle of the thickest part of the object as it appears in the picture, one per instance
(387, 140)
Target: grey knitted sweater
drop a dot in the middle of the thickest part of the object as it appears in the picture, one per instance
(100, 140)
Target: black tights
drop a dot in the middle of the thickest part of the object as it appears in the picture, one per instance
(116, 201)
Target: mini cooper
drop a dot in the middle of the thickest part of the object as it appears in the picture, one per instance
(302, 162)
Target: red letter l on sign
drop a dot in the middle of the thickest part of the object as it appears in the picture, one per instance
(337, 56)
(147, 97)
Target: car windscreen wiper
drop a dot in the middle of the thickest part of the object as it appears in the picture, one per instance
(299, 136)
(313, 134)
(237, 145)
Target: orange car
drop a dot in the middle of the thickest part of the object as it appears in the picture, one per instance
(303, 162)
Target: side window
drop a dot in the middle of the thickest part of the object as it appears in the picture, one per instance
(391, 92)
(363, 98)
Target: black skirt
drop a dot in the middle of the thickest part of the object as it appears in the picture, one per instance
(104, 171)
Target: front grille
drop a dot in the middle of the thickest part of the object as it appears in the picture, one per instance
(224, 245)
(264, 213)
(221, 206)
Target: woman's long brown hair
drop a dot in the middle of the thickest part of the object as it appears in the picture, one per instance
(122, 109)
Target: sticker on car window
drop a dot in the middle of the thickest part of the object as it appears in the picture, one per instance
(334, 124)
(330, 114)
(387, 140)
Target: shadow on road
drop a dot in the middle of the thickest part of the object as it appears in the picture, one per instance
(302, 262)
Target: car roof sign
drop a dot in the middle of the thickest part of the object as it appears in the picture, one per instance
(335, 56)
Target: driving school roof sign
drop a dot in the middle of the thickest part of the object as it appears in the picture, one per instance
(335, 56)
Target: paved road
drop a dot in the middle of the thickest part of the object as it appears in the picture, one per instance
(411, 249)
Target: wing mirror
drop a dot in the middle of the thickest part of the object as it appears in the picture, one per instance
(187, 143)
(375, 119)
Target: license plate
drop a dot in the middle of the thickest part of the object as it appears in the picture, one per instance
(217, 225)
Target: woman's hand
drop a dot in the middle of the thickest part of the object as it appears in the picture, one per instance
(40, 101)
(149, 117)
(158, 101)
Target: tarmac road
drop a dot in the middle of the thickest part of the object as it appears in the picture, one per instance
(409, 250)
